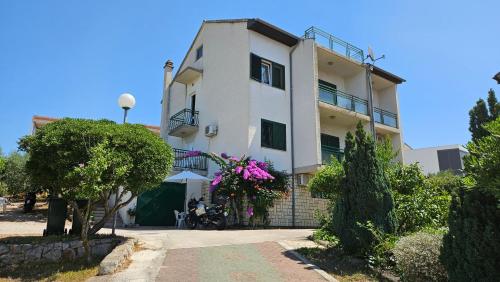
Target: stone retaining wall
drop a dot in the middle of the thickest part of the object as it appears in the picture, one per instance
(11, 254)
(281, 214)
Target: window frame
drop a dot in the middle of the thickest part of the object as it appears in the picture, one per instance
(273, 144)
(269, 65)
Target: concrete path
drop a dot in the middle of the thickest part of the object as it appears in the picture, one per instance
(267, 261)
(208, 248)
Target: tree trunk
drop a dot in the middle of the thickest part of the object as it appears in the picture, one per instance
(108, 213)
(84, 218)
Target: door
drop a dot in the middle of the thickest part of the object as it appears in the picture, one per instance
(156, 207)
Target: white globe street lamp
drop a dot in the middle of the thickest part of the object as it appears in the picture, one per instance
(126, 101)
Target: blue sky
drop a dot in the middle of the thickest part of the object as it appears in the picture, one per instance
(74, 58)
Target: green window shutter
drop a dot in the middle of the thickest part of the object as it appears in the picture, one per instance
(330, 141)
(279, 136)
(255, 67)
(273, 135)
(278, 76)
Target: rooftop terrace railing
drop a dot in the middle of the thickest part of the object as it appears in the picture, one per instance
(335, 44)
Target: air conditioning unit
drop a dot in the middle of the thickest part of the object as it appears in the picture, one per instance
(303, 179)
(211, 130)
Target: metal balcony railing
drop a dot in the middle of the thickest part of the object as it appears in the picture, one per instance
(335, 44)
(328, 152)
(339, 98)
(185, 117)
(385, 117)
(182, 160)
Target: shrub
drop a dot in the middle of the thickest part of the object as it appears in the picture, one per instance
(471, 249)
(417, 257)
(327, 181)
(420, 202)
(364, 198)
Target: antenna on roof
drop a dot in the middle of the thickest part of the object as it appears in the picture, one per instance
(371, 55)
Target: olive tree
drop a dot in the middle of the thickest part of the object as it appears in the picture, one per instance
(80, 159)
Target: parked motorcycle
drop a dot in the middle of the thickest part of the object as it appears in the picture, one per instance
(199, 213)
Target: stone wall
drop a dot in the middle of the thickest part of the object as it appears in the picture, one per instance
(11, 254)
(305, 209)
(281, 214)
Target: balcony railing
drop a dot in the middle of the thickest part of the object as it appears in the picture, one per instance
(341, 99)
(186, 118)
(328, 152)
(385, 117)
(335, 44)
(182, 160)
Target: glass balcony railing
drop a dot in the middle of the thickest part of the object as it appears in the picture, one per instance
(385, 117)
(332, 96)
(341, 99)
(335, 44)
(327, 153)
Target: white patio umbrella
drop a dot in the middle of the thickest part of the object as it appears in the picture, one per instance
(184, 177)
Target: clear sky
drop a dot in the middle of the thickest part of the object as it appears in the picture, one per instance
(74, 58)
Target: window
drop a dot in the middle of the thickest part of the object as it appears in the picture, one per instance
(273, 135)
(199, 52)
(265, 68)
(267, 72)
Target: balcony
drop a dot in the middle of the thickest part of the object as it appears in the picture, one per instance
(335, 44)
(183, 123)
(328, 152)
(385, 117)
(341, 99)
(183, 161)
(332, 96)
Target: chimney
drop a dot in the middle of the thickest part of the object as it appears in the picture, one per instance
(165, 107)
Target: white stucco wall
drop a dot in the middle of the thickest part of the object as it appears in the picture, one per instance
(305, 105)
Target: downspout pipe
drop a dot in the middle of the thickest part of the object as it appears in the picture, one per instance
(369, 68)
(292, 149)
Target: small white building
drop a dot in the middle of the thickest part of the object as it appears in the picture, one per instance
(435, 159)
(246, 87)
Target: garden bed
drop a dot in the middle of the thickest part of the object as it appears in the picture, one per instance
(342, 267)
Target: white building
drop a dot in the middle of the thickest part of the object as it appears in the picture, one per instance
(246, 87)
(435, 159)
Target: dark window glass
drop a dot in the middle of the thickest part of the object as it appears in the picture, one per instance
(199, 52)
(273, 135)
(449, 159)
(255, 67)
(278, 76)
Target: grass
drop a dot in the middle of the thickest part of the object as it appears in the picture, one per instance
(77, 270)
(343, 268)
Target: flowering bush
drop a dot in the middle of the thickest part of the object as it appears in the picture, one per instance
(245, 178)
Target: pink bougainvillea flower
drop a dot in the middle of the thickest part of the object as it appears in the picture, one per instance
(234, 159)
(246, 174)
(192, 154)
(250, 211)
(262, 165)
(238, 169)
(212, 188)
(224, 156)
(216, 180)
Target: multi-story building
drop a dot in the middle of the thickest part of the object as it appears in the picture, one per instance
(246, 87)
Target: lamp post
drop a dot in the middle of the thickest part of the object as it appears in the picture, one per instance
(126, 101)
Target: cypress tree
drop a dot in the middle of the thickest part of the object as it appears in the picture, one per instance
(482, 113)
(365, 207)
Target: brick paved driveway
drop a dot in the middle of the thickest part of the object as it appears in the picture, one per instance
(266, 261)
